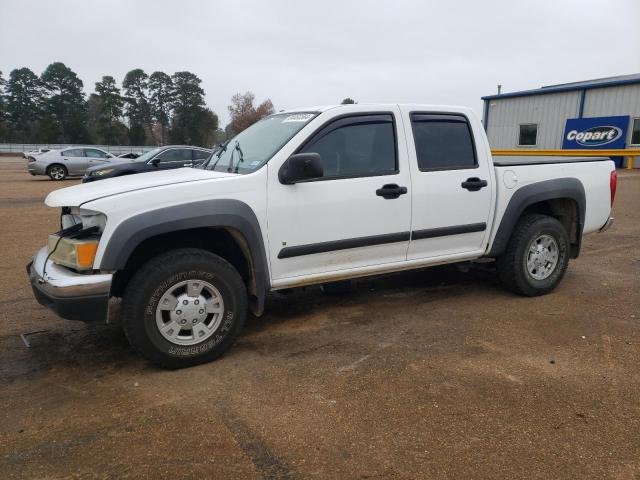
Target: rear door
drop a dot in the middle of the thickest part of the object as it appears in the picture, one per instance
(199, 156)
(452, 184)
(75, 161)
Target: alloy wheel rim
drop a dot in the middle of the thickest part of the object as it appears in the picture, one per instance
(57, 173)
(542, 257)
(189, 312)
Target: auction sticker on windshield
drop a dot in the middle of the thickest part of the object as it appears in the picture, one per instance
(298, 117)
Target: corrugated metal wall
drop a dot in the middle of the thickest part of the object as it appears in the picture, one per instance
(548, 111)
(622, 100)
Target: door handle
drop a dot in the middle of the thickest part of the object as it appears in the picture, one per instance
(473, 184)
(391, 191)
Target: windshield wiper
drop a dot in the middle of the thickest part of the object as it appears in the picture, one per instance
(240, 156)
(223, 148)
(236, 148)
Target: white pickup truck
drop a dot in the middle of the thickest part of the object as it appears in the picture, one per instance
(305, 197)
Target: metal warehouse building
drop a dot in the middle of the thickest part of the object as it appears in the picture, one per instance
(592, 114)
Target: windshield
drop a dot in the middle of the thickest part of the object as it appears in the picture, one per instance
(147, 156)
(253, 147)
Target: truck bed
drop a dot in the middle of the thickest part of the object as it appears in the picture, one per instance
(593, 173)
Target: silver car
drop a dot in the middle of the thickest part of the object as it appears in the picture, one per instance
(69, 162)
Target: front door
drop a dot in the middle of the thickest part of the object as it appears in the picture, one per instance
(357, 216)
(96, 157)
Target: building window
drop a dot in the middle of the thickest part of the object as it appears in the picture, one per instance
(528, 135)
(635, 132)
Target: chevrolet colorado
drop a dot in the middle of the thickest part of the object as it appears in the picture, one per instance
(305, 197)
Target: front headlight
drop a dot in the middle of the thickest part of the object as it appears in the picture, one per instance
(75, 245)
(99, 173)
(76, 253)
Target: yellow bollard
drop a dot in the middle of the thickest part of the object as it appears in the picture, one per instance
(629, 162)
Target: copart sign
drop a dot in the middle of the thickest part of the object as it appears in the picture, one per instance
(596, 132)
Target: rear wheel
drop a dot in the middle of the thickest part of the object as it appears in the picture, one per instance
(536, 257)
(57, 172)
(184, 308)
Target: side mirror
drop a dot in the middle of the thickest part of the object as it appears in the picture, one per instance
(300, 167)
(155, 161)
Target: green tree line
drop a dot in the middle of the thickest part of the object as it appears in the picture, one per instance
(154, 109)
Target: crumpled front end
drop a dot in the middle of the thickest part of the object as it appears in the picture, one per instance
(72, 295)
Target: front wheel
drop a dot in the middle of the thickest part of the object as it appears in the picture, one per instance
(536, 257)
(184, 308)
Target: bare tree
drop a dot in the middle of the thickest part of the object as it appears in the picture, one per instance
(244, 114)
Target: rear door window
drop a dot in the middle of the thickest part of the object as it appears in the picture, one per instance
(443, 142)
(201, 154)
(74, 152)
(175, 155)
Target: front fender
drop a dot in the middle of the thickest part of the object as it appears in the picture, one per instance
(208, 213)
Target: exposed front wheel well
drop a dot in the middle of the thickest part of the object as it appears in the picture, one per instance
(225, 242)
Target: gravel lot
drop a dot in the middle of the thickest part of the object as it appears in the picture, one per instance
(430, 374)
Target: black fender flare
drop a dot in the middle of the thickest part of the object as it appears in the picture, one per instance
(526, 196)
(207, 213)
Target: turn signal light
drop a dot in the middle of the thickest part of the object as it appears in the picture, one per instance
(85, 254)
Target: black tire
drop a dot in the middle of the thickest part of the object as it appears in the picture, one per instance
(151, 282)
(512, 264)
(57, 172)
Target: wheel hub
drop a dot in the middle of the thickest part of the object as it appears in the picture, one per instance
(189, 312)
(542, 257)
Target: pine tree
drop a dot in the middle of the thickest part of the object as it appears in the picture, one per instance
(64, 104)
(110, 103)
(23, 104)
(162, 99)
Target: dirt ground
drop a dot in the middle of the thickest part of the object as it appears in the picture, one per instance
(430, 374)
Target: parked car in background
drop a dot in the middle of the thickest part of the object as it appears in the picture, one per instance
(69, 162)
(35, 153)
(163, 158)
(129, 155)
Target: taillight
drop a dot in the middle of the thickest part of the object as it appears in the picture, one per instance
(613, 183)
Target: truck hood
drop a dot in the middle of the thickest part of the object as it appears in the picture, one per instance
(86, 192)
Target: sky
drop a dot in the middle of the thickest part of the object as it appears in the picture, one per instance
(302, 53)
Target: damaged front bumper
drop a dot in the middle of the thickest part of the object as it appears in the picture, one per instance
(71, 295)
